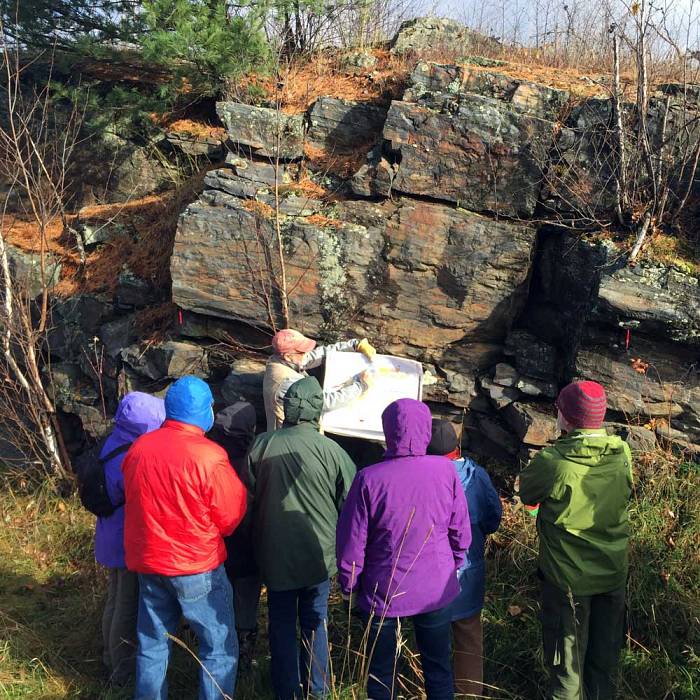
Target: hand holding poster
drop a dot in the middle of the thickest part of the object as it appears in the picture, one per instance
(394, 378)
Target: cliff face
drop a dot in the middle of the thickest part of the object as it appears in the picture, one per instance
(436, 249)
(441, 226)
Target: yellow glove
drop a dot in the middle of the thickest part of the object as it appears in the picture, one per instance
(366, 349)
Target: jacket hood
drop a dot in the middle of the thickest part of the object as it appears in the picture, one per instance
(303, 402)
(234, 428)
(407, 428)
(589, 446)
(189, 400)
(138, 413)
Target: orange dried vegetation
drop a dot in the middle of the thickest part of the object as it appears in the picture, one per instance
(639, 365)
(343, 164)
(579, 83)
(147, 255)
(582, 77)
(24, 234)
(306, 186)
(323, 221)
(260, 209)
(304, 81)
(196, 129)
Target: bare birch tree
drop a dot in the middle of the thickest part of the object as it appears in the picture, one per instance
(35, 161)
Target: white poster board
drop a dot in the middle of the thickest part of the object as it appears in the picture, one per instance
(394, 378)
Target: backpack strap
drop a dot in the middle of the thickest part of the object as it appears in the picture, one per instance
(111, 455)
(115, 452)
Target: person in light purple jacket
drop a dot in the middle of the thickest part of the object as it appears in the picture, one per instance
(137, 413)
(401, 538)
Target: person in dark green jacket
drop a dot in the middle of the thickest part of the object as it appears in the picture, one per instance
(583, 484)
(299, 480)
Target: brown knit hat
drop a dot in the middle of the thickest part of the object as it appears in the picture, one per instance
(583, 404)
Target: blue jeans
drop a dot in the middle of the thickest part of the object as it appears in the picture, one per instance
(206, 602)
(297, 671)
(433, 639)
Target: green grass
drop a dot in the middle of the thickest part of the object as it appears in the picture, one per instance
(51, 593)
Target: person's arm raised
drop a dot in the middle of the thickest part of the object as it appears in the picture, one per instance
(315, 357)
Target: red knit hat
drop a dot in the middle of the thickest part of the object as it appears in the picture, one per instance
(583, 404)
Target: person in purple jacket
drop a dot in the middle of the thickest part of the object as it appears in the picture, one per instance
(485, 513)
(137, 413)
(401, 539)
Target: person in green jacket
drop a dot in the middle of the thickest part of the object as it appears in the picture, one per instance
(583, 483)
(299, 480)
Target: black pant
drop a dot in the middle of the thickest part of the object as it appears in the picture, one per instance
(298, 669)
(119, 625)
(582, 636)
(433, 639)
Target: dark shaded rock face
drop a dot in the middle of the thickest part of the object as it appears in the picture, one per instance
(75, 324)
(634, 330)
(136, 173)
(342, 126)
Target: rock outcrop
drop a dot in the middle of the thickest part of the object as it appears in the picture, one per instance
(501, 312)
(450, 142)
(266, 132)
(425, 35)
(26, 270)
(451, 292)
(344, 126)
(434, 248)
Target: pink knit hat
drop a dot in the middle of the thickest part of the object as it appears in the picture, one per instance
(288, 341)
(583, 404)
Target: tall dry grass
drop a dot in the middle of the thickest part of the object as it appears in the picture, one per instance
(51, 593)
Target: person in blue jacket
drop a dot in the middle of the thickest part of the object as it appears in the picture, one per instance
(485, 512)
(137, 413)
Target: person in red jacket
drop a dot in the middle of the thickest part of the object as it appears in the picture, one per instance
(182, 498)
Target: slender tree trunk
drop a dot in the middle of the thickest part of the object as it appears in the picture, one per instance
(621, 198)
(643, 96)
(281, 284)
(642, 230)
(31, 383)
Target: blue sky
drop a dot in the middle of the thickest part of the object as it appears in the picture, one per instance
(520, 20)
